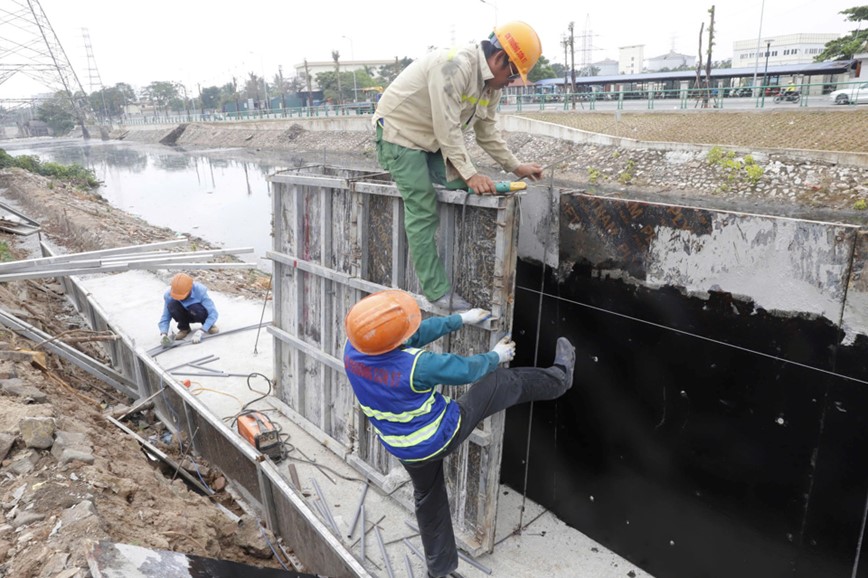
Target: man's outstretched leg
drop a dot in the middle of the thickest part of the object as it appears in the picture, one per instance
(505, 388)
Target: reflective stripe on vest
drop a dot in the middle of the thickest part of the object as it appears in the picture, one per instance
(417, 436)
(399, 417)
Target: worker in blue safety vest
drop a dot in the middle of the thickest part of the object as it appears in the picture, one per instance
(395, 382)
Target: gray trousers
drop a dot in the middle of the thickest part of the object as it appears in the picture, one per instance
(495, 392)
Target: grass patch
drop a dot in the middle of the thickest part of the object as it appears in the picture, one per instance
(5, 252)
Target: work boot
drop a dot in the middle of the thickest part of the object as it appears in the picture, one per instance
(213, 330)
(565, 357)
(182, 333)
(452, 302)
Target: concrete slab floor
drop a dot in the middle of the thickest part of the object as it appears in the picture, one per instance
(546, 546)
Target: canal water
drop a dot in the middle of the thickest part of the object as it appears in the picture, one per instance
(208, 194)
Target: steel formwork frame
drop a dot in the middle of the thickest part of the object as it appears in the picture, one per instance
(338, 236)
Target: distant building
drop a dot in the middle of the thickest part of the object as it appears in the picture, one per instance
(861, 65)
(670, 61)
(606, 67)
(35, 128)
(631, 59)
(785, 49)
(314, 68)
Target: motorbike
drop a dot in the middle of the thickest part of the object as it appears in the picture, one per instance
(789, 96)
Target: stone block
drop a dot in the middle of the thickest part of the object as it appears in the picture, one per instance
(37, 432)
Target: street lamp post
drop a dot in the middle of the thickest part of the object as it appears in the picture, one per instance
(757, 53)
(353, 57)
(766, 70)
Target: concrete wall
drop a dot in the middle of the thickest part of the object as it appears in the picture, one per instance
(717, 422)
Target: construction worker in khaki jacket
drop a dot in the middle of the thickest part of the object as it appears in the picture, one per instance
(396, 383)
(187, 301)
(420, 122)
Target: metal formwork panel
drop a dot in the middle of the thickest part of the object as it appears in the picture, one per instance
(339, 236)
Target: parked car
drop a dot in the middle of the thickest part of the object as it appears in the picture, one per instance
(855, 93)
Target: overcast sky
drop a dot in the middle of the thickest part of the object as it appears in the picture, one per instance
(202, 42)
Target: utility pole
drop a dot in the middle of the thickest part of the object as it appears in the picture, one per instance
(44, 59)
(766, 72)
(572, 64)
(307, 79)
(566, 42)
(282, 88)
(710, 48)
(758, 36)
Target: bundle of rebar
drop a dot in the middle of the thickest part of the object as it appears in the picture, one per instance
(150, 256)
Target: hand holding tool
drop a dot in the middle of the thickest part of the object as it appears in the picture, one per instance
(197, 337)
(474, 316)
(165, 340)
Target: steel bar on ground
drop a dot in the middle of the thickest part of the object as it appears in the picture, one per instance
(155, 351)
(156, 452)
(356, 517)
(199, 360)
(362, 541)
(461, 554)
(408, 566)
(414, 549)
(382, 545)
(322, 499)
(85, 362)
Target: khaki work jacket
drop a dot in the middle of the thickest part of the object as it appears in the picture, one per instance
(438, 97)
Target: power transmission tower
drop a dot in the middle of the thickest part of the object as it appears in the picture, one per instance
(94, 80)
(29, 46)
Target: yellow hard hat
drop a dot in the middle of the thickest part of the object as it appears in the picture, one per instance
(521, 44)
(181, 286)
(382, 321)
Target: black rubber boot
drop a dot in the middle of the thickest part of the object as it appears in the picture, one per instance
(565, 357)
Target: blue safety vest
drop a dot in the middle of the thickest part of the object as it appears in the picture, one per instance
(413, 424)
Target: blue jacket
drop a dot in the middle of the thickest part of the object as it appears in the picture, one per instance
(396, 390)
(198, 294)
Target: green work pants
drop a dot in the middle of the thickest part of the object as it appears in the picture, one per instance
(415, 173)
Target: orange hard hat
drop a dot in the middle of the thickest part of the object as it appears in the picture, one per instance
(521, 44)
(181, 286)
(382, 321)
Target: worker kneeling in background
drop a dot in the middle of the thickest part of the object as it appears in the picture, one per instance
(395, 383)
(187, 301)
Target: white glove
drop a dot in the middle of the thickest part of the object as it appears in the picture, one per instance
(197, 337)
(474, 316)
(505, 349)
(165, 340)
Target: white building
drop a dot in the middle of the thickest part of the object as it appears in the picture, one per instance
(607, 67)
(631, 59)
(670, 61)
(315, 67)
(785, 49)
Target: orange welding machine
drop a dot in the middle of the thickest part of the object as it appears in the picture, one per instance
(262, 434)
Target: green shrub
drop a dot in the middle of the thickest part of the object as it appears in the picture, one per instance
(75, 174)
(626, 176)
(754, 173)
(594, 175)
(5, 252)
(860, 205)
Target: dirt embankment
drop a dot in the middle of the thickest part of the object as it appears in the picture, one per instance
(68, 476)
